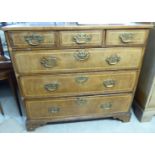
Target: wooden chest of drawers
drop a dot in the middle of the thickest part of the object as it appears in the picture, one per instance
(77, 72)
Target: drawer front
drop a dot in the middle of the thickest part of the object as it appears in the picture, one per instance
(32, 39)
(78, 84)
(77, 107)
(81, 38)
(78, 60)
(126, 37)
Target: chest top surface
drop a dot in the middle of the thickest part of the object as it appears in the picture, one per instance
(73, 25)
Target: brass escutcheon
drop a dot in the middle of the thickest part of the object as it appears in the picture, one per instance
(126, 37)
(53, 109)
(81, 55)
(81, 79)
(106, 106)
(51, 86)
(48, 62)
(81, 101)
(113, 59)
(82, 38)
(34, 39)
(109, 83)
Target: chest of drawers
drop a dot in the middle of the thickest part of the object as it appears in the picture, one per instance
(76, 72)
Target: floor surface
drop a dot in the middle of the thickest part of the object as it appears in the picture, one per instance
(12, 122)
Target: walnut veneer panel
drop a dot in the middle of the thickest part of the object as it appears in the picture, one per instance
(77, 60)
(126, 37)
(78, 106)
(78, 84)
(32, 39)
(82, 38)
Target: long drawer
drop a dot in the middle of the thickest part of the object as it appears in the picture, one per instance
(78, 106)
(77, 60)
(78, 84)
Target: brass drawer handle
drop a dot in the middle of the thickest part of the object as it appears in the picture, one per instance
(81, 101)
(82, 38)
(34, 40)
(126, 37)
(113, 59)
(81, 79)
(48, 62)
(109, 83)
(81, 55)
(51, 86)
(53, 109)
(106, 106)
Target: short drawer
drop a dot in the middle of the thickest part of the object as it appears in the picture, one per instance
(78, 60)
(126, 37)
(32, 39)
(78, 106)
(78, 84)
(82, 38)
